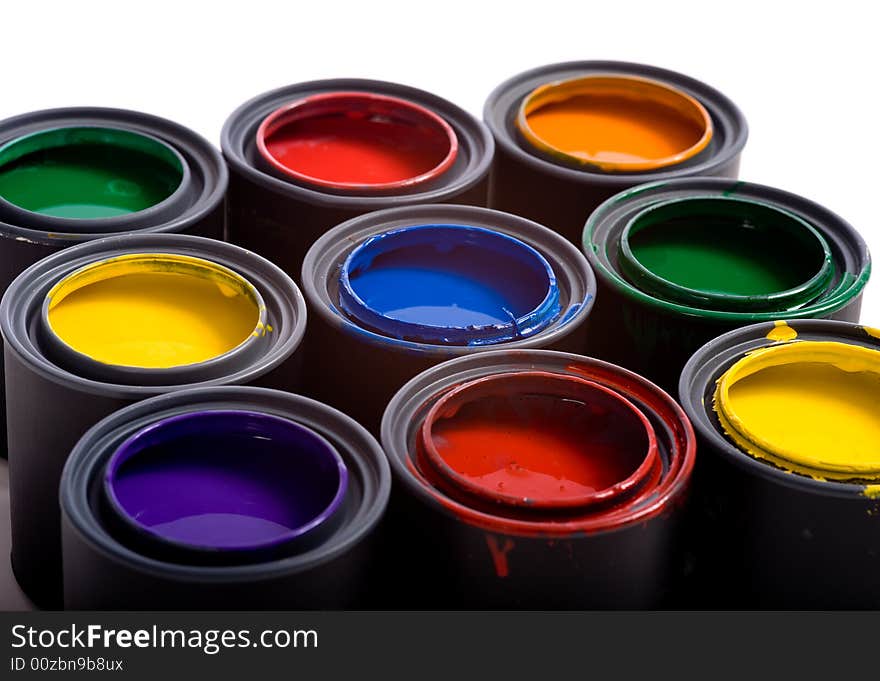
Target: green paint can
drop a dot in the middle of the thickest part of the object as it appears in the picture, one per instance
(683, 261)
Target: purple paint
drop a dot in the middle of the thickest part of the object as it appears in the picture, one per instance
(226, 481)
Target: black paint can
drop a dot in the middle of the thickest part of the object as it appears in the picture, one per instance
(101, 325)
(294, 175)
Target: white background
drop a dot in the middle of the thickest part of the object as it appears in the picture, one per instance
(806, 78)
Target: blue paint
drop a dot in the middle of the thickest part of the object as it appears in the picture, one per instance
(448, 285)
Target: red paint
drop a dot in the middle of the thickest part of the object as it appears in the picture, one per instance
(673, 430)
(357, 141)
(540, 440)
(499, 552)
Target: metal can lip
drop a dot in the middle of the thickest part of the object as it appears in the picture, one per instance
(369, 480)
(195, 538)
(408, 409)
(851, 261)
(638, 92)
(204, 192)
(571, 389)
(471, 164)
(729, 136)
(347, 105)
(285, 311)
(697, 388)
(574, 279)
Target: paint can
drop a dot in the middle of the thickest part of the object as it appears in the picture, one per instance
(98, 326)
(490, 519)
(570, 135)
(787, 502)
(309, 156)
(68, 176)
(394, 292)
(684, 261)
(268, 500)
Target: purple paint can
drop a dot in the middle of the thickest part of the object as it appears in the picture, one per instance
(223, 498)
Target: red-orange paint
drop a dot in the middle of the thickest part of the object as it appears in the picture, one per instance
(351, 140)
(499, 549)
(615, 123)
(649, 500)
(540, 440)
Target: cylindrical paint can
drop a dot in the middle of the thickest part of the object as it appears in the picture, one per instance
(222, 498)
(68, 176)
(101, 325)
(535, 479)
(681, 262)
(309, 156)
(786, 508)
(394, 292)
(568, 136)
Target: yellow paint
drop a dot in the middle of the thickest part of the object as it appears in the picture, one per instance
(809, 407)
(872, 331)
(615, 123)
(872, 491)
(782, 332)
(154, 310)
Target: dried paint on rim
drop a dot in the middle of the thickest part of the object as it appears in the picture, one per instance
(840, 371)
(675, 439)
(851, 262)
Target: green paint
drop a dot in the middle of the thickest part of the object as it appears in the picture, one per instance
(87, 173)
(601, 243)
(728, 252)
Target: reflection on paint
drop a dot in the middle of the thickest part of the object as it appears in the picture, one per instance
(808, 407)
(87, 173)
(153, 311)
(530, 441)
(356, 139)
(781, 332)
(449, 284)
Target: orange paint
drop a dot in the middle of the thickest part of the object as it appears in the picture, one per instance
(615, 123)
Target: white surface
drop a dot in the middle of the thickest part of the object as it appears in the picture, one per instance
(804, 77)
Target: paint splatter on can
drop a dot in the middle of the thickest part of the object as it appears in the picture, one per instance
(309, 156)
(394, 292)
(570, 135)
(101, 325)
(68, 176)
(222, 498)
(787, 488)
(683, 261)
(535, 479)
